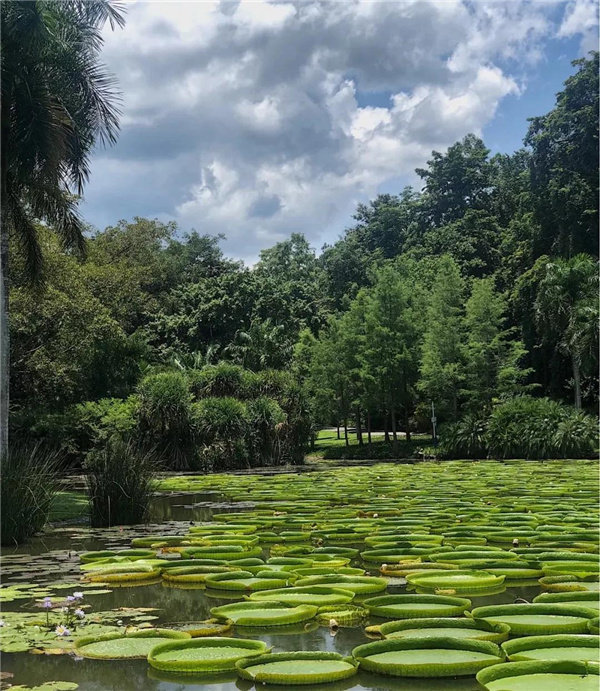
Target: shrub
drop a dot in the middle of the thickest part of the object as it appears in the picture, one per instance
(28, 485)
(265, 418)
(165, 418)
(223, 422)
(120, 480)
(526, 427)
(223, 379)
(464, 439)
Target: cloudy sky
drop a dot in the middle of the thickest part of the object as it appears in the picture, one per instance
(259, 119)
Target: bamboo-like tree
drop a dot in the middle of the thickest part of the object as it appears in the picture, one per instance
(58, 101)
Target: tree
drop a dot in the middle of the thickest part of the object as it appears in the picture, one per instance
(442, 367)
(391, 351)
(57, 103)
(567, 313)
(492, 355)
(564, 166)
(456, 181)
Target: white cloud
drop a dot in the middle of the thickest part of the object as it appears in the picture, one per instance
(581, 17)
(260, 118)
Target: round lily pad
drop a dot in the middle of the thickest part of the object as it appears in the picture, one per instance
(413, 606)
(199, 655)
(427, 657)
(208, 627)
(112, 646)
(297, 668)
(539, 618)
(561, 647)
(264, 614)
(584, 598)
(457, 580)
(308, 594)
(541, 676)
(445, 627)
(357, 584)
(191, 574)
(342, 615)
(245, 580)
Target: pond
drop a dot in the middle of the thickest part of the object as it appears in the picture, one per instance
(353, 518)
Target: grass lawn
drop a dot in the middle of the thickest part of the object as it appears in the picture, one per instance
(69, 506)
(329, 447)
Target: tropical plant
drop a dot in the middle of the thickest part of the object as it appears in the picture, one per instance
(27, 488)
(165, 418)
(57, 103)
(223, 421)
(223, 379)
(265, 420)
(120, 482)
(567, 312)
(464, 439)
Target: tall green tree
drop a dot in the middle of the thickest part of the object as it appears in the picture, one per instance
(564, 166)
(492, 354)
(58, 101)
(442, 364)
(567, 313)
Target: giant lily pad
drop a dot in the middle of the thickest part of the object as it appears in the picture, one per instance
(113, 646)
(357, 584)
(308, 594)
(444, 627)
(456, 580)
(264, 614)
(199, 655)
(412, 606)
(540, 676)
(427, 657)
(561, 647)
(297, 668)
(531, 619)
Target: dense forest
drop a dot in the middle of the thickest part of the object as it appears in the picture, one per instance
(477, 292)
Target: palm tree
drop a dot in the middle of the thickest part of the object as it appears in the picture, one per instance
(567, 311)
(57, 103)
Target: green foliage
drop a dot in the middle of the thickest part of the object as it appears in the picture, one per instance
(526, 427)
(265, 420)
(223, 379)
(165, 417)
(29, 485)
(120, 482)
(465, 438)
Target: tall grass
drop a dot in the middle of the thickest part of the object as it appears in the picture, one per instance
(120, 480)
(28, 481)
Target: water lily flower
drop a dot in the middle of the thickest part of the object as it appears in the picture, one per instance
(61, 630)
(79, 613)
(64, 610)
(47, 602)
(70, 598)
(78, 595)
(2, 623)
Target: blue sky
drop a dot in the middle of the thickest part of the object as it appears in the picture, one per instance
(259, 119)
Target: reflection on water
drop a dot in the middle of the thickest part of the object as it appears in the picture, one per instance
(192, 604)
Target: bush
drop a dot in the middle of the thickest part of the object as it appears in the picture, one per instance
(464, 439)
(223, 424)
(28, 485)
(223, 379)
(120, 480)
(266, 419)
(526, 427)
(165, 418)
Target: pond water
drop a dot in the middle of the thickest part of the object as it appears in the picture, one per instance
(54, 558)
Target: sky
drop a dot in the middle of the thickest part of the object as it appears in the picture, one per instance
(262, 118)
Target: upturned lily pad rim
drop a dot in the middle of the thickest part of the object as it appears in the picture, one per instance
(244, 668)
(252, 648)
(516, 649)
(443, 579)
(337, 595)
(296, 613)
(81, 643)
(518, 669)
(495, 632)
(363, 652)
(382, 605)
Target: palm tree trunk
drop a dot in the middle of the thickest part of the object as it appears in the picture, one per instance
(577, 382)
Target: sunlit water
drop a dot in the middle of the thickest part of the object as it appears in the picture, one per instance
(171, 514)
